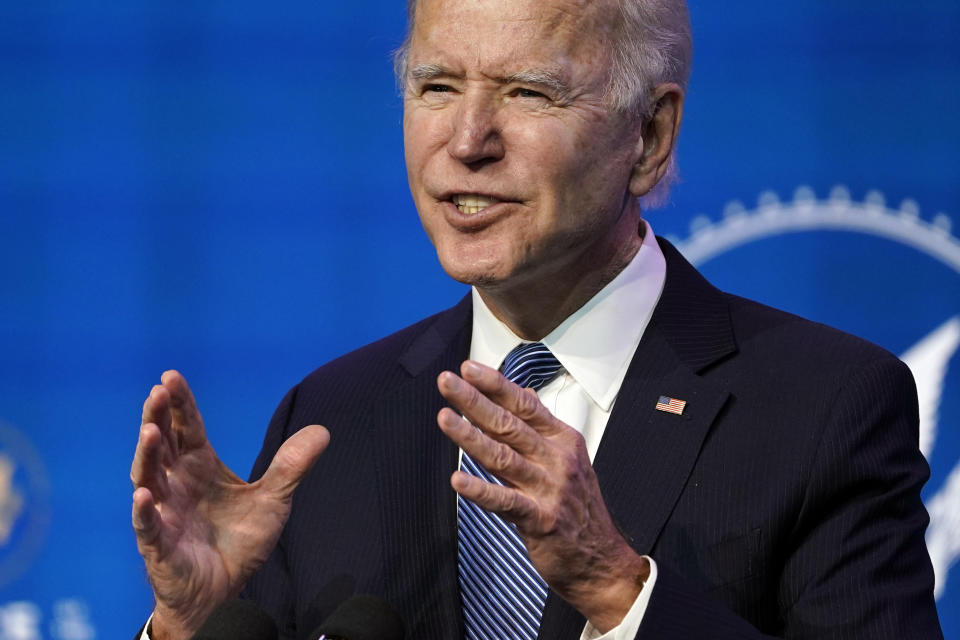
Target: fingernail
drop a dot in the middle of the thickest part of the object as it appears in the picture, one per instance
(459, 481)
(471, 368)
(453, 382)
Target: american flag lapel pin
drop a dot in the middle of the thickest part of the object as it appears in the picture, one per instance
(671, 405)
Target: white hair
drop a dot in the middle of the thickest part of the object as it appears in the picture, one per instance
(651, 45)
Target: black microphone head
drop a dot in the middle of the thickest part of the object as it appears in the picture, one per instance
(238, 620)
(362, 618)
(326, 600)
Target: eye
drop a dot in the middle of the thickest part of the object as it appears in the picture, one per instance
(524, 92)
(433, 87)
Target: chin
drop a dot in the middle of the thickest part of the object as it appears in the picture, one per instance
(473, 273)
(488, 279)
(473, 277)
(487, 263)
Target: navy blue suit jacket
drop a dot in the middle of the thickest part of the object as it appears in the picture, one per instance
(785, 501)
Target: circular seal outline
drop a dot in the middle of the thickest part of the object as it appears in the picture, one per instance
(805, 213)
(17, 559)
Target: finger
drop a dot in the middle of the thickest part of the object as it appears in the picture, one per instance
(497, 458)
(521, 402)
(153, 407)
(147, 469)
(511, 504)
(156, 410)
(187, 421)
(147, 523)
(495, 421)
(294, 459)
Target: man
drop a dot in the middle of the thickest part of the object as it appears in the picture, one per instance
(692, 465)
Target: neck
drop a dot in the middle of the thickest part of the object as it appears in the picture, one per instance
(535, 307)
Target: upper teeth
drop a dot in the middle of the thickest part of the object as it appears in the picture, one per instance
(471, 203)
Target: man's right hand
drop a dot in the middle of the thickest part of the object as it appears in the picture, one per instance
(201, 530)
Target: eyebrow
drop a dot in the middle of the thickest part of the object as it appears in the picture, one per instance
(538, 77)
(429, 72)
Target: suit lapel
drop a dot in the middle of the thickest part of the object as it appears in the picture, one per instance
(646, 455)
(643, 463)
(690, 330)
(414, 462)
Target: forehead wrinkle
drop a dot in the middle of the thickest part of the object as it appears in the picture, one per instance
(558, 25)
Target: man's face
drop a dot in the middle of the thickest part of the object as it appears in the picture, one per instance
(518, 168)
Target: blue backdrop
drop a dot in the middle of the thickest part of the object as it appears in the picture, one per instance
(173, 175)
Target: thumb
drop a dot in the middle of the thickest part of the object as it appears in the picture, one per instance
(294, 459)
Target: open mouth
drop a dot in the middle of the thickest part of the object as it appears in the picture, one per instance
(470, 203)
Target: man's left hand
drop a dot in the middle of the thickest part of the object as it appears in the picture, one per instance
(550, 491)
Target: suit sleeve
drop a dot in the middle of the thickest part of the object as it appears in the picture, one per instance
(856, 565)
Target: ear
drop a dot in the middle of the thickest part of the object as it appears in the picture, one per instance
(658, 137)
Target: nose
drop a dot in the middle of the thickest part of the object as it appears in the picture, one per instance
(476, 138)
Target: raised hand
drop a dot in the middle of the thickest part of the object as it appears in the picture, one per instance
(201, 530)
(551, 491)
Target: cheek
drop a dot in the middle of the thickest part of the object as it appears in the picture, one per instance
(545, 157)
(424, 131)
(412, 148)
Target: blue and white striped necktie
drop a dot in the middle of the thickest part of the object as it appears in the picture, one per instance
(502, 594)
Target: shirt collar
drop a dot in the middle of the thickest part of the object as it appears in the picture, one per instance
(596, 343)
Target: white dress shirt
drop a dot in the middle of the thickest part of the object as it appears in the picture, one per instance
(595, 346)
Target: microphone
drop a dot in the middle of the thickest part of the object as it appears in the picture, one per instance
(237, 620)
(361, 618)
(326, 600)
